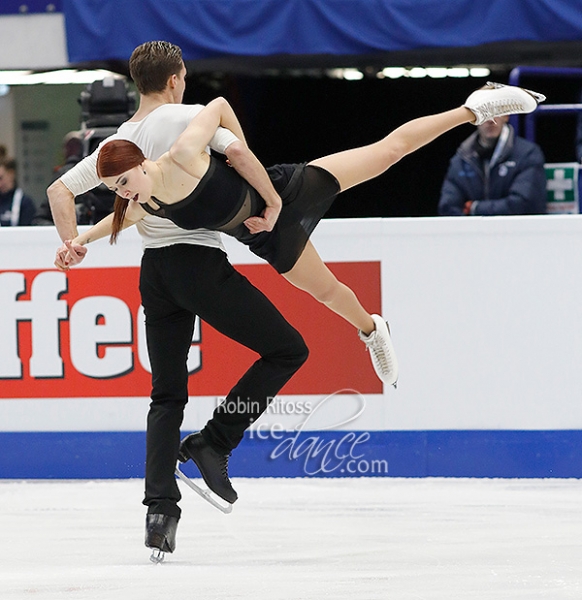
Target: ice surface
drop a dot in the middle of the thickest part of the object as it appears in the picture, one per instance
(352, 539)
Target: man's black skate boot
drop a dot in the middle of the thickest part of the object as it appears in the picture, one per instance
(213, 465)
(161, 532)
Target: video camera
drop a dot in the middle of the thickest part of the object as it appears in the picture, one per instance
(105, 105)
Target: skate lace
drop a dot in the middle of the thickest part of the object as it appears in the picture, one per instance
(380, 353)
(224, 466)
(494, 107)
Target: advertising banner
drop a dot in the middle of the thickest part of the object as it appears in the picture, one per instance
(81, 334)
(485, 315)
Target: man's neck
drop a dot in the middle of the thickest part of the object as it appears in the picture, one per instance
(148, 103)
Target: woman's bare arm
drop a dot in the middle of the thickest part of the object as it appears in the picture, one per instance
(103, 228)
(188, 151)
(74, 250)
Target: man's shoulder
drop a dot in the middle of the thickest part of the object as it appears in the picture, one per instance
(166, 110)
(178, 107)
(166, 114)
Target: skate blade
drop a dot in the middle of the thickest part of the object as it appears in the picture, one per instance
(203, 493)
(157, 556)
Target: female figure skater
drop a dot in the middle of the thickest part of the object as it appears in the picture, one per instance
(195, 190)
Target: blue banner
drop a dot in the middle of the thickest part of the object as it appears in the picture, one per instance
(111, 29)
(486, 453)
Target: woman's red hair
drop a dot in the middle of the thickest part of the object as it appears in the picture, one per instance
(116, 157)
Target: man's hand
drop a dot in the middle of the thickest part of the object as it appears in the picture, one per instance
(266, 222)
(467, 207)
(69, 255)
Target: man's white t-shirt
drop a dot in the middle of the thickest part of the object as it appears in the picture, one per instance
(154, 135)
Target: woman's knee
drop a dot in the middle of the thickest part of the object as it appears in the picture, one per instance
(326, 292)
(390, 153)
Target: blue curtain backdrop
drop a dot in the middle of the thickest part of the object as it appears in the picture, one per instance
(111, 29)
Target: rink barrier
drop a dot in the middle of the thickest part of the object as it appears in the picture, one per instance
(486, 318)
(504, 454)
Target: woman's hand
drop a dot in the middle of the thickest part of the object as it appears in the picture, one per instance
(69, 254)
(265, 222)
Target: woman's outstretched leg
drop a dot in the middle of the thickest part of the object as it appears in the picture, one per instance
(357, 165)
(350, 168)
(311, 275)
(361, 164)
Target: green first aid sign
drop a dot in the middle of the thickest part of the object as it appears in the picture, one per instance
(562, 187)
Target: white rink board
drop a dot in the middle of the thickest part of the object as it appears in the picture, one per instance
(486, 315)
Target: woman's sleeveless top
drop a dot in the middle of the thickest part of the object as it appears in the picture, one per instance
(221, 201)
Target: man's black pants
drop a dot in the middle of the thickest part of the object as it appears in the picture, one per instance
(177, 283)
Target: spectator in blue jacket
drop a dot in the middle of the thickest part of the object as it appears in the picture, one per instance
(495, 172)
(16, 208)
